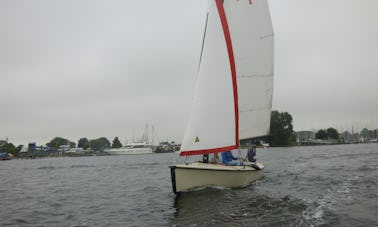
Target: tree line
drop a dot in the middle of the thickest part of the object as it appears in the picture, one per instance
(99, 144)
(325, 134)
(281, 134)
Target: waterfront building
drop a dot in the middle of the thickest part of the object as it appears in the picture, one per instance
(304, 137)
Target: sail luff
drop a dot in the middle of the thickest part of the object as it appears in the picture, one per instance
(230, 50)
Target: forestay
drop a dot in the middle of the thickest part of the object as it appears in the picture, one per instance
(233, 94)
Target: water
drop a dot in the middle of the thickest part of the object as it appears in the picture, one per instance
(302, 186)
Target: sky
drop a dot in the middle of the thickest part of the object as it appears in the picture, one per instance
(96, 68)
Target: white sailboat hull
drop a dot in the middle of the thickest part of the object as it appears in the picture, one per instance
(130, 151)
(198, 175)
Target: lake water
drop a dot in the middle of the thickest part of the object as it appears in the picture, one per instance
(302, 186)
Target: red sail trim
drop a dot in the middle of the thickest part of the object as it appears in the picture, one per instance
(207, 151)
(227, 37)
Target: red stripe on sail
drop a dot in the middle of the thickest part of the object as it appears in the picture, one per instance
(227, 37)
(208, 151)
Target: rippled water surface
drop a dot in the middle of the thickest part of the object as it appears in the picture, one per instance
(302, 186)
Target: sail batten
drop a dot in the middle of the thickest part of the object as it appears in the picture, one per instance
(233, 94)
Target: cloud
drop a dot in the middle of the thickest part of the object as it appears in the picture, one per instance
(100, 68)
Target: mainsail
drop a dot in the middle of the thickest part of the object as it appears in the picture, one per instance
(233, 94)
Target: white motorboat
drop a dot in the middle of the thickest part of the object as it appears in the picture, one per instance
(132, 148)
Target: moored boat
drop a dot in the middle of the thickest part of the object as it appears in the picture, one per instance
(130, 149)
(5, 156)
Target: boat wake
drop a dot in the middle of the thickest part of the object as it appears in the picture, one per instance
(236, 208)
(321, 211)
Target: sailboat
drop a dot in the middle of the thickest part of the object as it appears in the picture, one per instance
(233, 94)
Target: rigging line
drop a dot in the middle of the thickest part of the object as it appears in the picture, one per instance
(203, 42)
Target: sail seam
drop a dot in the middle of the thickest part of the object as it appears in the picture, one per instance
(267, 36)
(254, 109)
(257, 75)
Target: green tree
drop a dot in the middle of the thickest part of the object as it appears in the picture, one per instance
(83, 143)
(332, 134)
(116, 143)
(7, 147)
(12, 149)
(321, 134)
(57, 141)
(281, 129)
(99, 144)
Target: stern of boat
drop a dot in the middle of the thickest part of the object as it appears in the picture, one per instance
(173, 178)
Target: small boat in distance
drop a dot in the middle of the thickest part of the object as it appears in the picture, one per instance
(131, 148)
(5, 156)
(164, 148)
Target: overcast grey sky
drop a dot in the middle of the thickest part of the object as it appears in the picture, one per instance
(104, 68)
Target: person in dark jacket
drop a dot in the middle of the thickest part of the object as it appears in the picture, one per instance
(251, 154)
(229, 160)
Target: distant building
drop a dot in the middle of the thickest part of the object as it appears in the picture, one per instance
(32, 147)
(345, 137)
(304, 137)
(367, 134)
(64, 148)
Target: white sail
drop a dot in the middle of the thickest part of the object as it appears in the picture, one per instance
(253, 44)
(233, 94)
